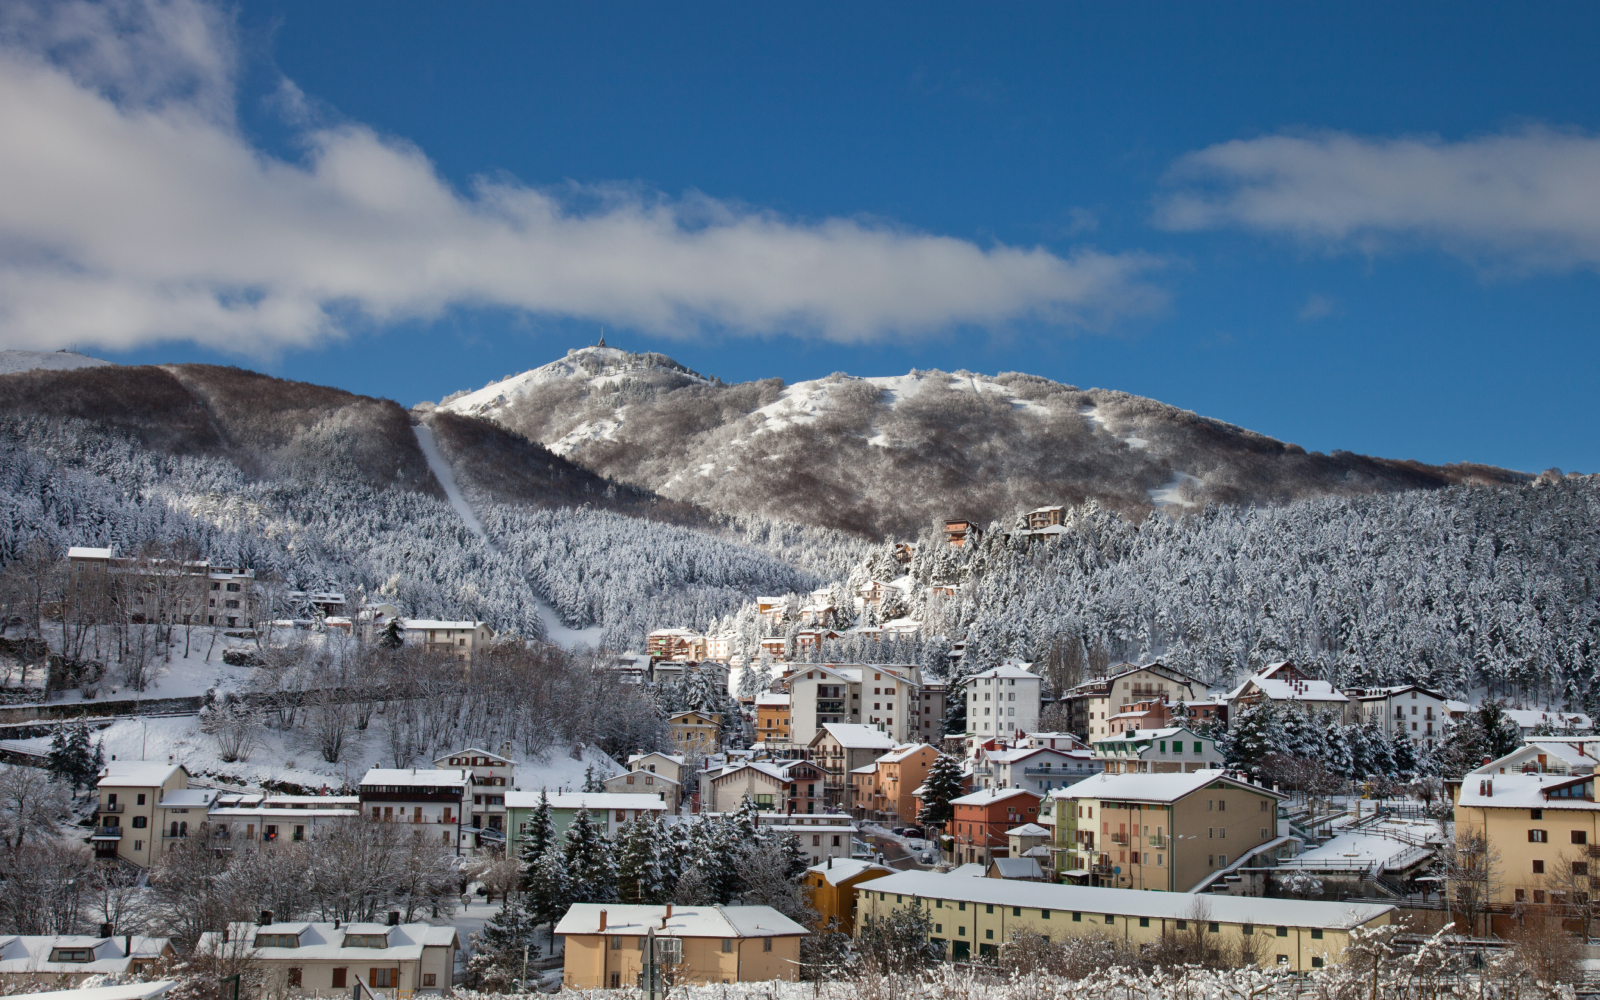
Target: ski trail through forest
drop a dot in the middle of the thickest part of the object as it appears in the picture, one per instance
(556, 630)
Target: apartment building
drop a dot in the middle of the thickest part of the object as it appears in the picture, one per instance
(831, 889)
(974, 916)
(1040, 770)
(434, 801)
(491, 775)
(841, 748)
(928, 711)
(791, 786)
(135, 797)
(1166, 832)
(605, 944)
(772, 717)
(885, 697)
(1408, 710)
(1157, 751)
(678, 644)
(609, 811)
(695, 731)
(982, 819)
(1288, 685)
(462, 639)
(191, 592)
(236, 817)
(330, 958)
(1003, 701)
(884, 789)
(1092, 704)
(1536, 810)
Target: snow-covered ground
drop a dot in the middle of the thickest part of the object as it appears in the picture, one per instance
(181, 676)
(27, 361)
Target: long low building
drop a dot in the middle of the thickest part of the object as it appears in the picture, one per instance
(985, 912)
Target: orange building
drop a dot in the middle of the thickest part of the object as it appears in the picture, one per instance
(832, 888)
(772, 717)
(883, 790)
(982, 819)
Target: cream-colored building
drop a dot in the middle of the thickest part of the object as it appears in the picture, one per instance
(697, 944)
(135, 798)
(461, 640)
(972, 917)
(1092, 703)
(1157, 751)
(491, 775)
(647, 783)
(699, 731)
(885, 697)
(1536, 809)
(62, 961)
(322, 958)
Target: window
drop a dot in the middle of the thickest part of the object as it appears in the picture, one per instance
(430, 979)
(1110, 919)
(1144, 921)
(1538, 837)
(1044, 914)
(989, 933)
(1316, 933)
(616, 943)
(384, 979)
(339, 981)
(1536, 814)
(1016, 911)
(140, 800)
(294, 977)
(1214, 928)
(71, 954)
(1182, 924)
(1316, 963)
(988, 908)
(1247, 929)
(1580, 868)
(1077, 917)
(1283, 932)
(277, 941)
(1580, 836)
(140, 822)
(1522, 895)
(766, 944)
(727, 946)
(1538, 867)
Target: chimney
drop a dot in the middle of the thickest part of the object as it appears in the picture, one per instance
(105, 930)
(830, 862)
(169, 758)
(602, 921)
(266, 918)
(666, 916)
(394, 918)
(335, 923)
(1486, 759)
(127, 946)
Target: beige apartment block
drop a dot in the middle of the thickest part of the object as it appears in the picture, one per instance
(698, 944)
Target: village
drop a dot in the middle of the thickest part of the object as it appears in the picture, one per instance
(1127, 804)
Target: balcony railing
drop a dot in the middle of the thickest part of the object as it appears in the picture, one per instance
(1158, 840)
(1118, 838)
(113, 807)
(108, 831)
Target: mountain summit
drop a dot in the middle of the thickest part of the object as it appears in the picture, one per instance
(889, 455)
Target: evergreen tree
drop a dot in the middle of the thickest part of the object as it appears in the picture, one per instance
(548, 892)
(641, 862)
(393, 635)
(591, 866)
(498, 949)
(593, 782)
(745, 822)
(73, 758)
(942, 784)
(539, 838)
(1253, 735)
(1500, 732)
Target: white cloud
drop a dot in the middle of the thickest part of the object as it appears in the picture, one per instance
(1526, 200)
(133, 210)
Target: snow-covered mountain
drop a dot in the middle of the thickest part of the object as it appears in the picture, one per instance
(888, 455)
(12, 362)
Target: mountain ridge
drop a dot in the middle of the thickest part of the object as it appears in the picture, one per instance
(909, 449)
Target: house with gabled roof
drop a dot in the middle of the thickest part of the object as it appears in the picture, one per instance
(62, 961)
(1090, 705)
(604, 943)
(1285, 684)
(314, 957)
(982, 819)
(793, 786)
(131, 815)
(841, 748)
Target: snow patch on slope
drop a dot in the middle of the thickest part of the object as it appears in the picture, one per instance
(447, 479)
(12, 362)
(804, 402)
(1171, 494)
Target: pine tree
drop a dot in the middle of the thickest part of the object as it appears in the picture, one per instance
(591, 866)
(392, 636)
(548, 892)
(745, 822)
(539, 838)
(641, 861)
(942, 784)
(72, 758)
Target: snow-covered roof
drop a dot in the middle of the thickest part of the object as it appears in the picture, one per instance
(1153, 787)
(839, 870)
(416, 624)
(1133, 902)
(900, 753)
(1515, 790)
(1289, 690)
(472, 752)
(675, 758)
(1028, 830)
(324, 941)
(593, 801)
(773, 698)
(649, 774)
(852, 736)
(1005, 670)
(137, 773)
(1015, 754)
(684, 921)
(1023, 868)
(86, 552)
(1533, 718)
(988, 796)
(418, 777)
(23, 954)
(970, 870)
(1453, 706)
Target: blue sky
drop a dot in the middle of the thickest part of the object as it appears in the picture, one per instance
(1373, 227)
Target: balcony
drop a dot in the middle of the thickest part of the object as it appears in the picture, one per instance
(112, 807)
(107, 833)
(1157, 840)
(1120, 839)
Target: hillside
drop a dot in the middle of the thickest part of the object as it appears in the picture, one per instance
(889, 455)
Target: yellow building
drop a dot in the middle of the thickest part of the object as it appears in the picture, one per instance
(694, 731)
(698, 944)
(772, 717)
(979, 914)
(144, 807)
(832, 889)
(1536, 809)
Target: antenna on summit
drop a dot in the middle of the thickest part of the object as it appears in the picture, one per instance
(602, 337)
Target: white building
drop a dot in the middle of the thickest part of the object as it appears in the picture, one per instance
(1039, 770)
(459, 639)
(436, 801)
(68, 959)
(1002, 702)
(1157, 751)
(1531, 721)
(1408, 710)
(1287, 685)
(329, 958)
(491, 775)
(885, 697)
(249, 817)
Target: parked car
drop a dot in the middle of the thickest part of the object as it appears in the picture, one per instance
(911, 831)
(898, 831)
